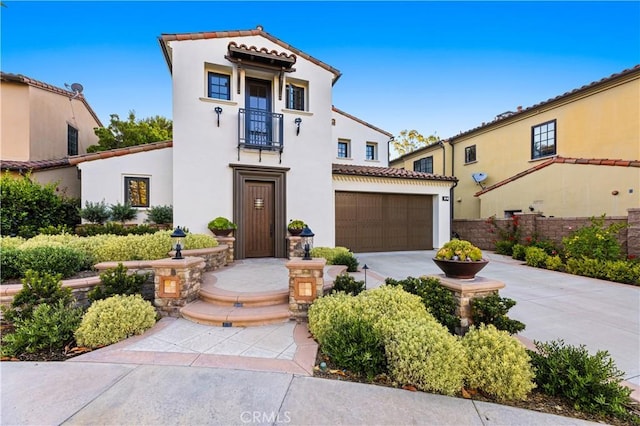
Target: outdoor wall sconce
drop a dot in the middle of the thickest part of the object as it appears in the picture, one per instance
(218, 111)
(297, 121)
(178, 237)
(307, 242)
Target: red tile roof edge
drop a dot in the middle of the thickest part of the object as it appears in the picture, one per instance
(20, 166)
(353, 117)
(164, 38)
(623, 73)
(117, 152)
(19, 78)
(386, 172)
(562, 160)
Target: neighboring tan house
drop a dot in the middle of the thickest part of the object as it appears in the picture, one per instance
(577, 154)
(41, 126)
(257, 139)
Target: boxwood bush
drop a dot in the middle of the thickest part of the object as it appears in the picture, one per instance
(114, 319)
(328, 252)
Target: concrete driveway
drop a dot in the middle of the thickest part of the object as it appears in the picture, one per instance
(599, 314)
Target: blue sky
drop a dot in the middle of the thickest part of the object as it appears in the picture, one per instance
(437, 67)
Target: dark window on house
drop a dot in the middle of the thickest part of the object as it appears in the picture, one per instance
(72, 140)
(218, 87)
(470, 154)
(424, 165)
(343, 149)
(136, 191)
(372, 151)
(543, 140)
(295, 97)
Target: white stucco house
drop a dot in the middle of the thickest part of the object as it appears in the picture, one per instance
(256, 138)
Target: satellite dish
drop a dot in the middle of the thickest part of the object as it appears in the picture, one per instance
(77, 88)
(479, 178)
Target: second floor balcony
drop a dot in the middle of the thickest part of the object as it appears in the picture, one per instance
(259, 129)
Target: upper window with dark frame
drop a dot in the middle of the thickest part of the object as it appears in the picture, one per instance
(543, 140)
(72, 140)
(295, 97)
(424, 165)
(371, 151)
(136, 191)
(343, 149)
(218, 86)
(470, 154)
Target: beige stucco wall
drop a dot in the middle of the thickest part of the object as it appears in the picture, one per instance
(441, 159)
(67, 178)
(14, 121)
(568, 190)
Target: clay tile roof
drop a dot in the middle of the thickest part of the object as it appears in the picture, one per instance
(164, 39)
(77, 159)
(629, 71)
(377, 129)
(561, 160)
(387, 172)
(21, 166)
(22, 79)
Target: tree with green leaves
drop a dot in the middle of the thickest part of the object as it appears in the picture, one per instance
(410, 140)
(132, 132)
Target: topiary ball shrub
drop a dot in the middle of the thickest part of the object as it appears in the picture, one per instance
(497, 363)
(422, 353)
(114, 319)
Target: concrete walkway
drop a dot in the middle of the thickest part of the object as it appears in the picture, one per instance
(185, 373)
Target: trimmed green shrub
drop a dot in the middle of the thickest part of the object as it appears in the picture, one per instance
(28, 206)
(594, 241)
(504, 247)
(161, 215)
(554, 263)
(492, 310)
(113, 228)
(114, 319)
(62, 260)
(518, 251)
(122, 212)
(9, 263)
(497, 363)
(50, 327)
(536, 257)
(347, 259)
(37, 289)
(439, 301)
(591, 382)
(587, 267)
(55, 230)
(348, 284)
(623, 271)
(117, 281)
(328, 252)
(422, 353)
(95, 212)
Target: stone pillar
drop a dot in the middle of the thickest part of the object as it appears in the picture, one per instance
(177, 282)
(633, 232)
(230, 242)
(295, 246)
(306, 283)
(466, 290)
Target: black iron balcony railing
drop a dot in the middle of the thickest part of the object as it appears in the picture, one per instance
(261, 130)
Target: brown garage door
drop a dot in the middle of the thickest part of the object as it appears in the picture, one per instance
(367, 222)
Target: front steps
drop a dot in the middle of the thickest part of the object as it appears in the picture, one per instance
(226, 308)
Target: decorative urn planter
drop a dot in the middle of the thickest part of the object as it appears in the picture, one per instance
(295, 227)
(221, 226)
(222, 232)
(460, 259)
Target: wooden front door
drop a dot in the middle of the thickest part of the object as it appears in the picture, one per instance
(259, 219)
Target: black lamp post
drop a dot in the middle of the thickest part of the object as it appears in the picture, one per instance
(307, 241)
(365, 268)
(178, 236)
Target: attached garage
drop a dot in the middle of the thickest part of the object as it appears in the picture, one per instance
(369, 222)
(388, 209)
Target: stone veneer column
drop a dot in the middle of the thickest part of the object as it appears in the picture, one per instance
(229, 241)
(177, 282)
(633, 232)
(306, 283)
(466, 290)
(295, 246)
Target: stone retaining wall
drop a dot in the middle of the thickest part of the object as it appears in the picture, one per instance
(548, 228)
